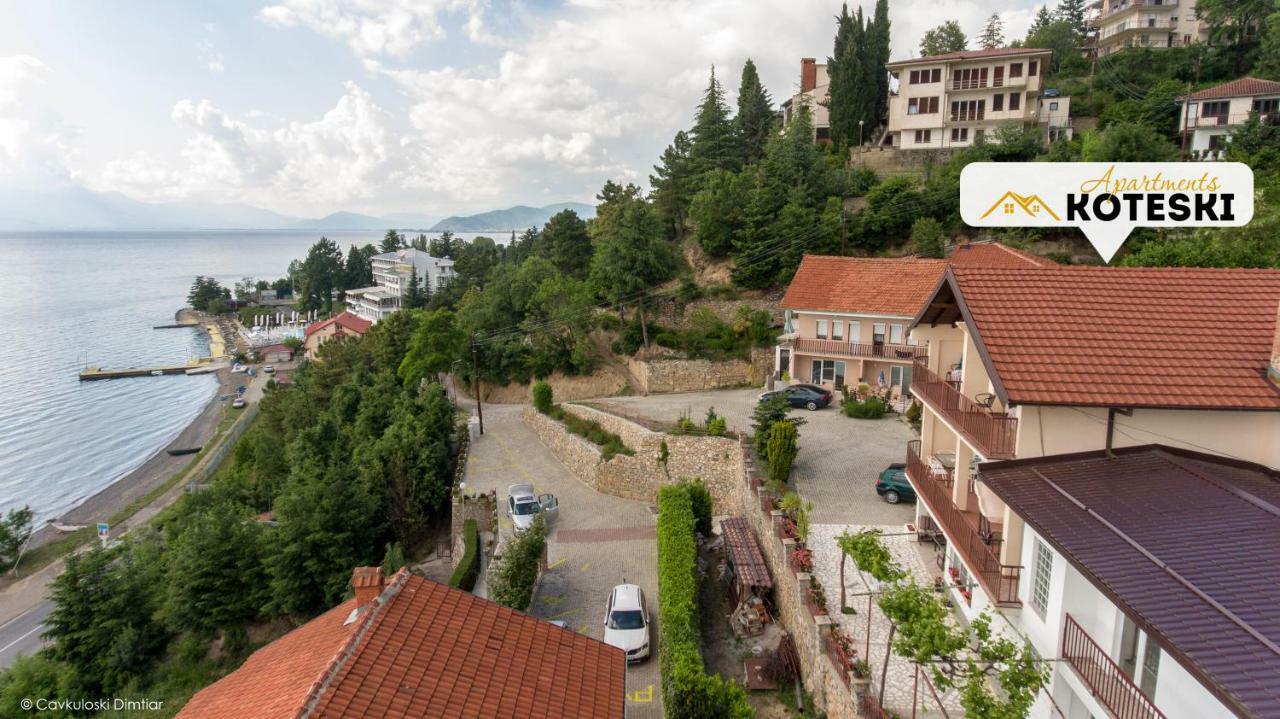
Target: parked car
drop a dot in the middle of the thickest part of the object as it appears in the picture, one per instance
(626, 622)
(809, 396)
(237, 368)
(268, 369)
(892, 484)
(238, 403)
(523, 505)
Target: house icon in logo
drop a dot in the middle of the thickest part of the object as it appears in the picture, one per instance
(1010, 202)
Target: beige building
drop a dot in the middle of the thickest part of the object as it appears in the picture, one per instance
(954, 99)
(337, 327)
(815, 88)
(1209, 115)
(1119, 24)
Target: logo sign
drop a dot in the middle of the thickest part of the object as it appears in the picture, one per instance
(1106, 200)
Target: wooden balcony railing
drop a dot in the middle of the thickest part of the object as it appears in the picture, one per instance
(993, 435)
(859, 349)
(999, 580)
(1108, 682)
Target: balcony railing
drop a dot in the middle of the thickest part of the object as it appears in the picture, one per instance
(860, 349)
(999, 580)
(1108, 682)
(994, 435)
(1211, 120)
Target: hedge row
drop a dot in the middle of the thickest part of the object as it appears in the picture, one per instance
(610, 443)
(468, 570)
(687, 691)
(511, 583)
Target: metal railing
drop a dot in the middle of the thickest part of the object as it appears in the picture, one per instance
(995, 436)
(1108, 682)
(860, 349)
(1000, 580)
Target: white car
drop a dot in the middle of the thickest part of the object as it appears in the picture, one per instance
(626, 622)
(238, 368)
(238, 403)
(268, 369)
(523, 505)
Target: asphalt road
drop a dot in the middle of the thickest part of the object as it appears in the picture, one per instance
(21, 635)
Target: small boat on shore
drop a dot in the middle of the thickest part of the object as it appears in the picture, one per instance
(179, 451)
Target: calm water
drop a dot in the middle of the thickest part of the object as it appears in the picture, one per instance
(71, 299)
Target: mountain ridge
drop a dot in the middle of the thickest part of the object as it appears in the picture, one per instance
(515, 218)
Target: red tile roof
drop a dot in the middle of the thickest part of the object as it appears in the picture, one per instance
(1244, 87)
(1147, 528)
(346, 320)
(424, 650)
(874, 285)
(994, 254)
(748, 562)
(1126, 336)
(973, 55)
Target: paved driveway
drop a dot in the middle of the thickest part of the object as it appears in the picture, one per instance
(597, 542)
(839, 458)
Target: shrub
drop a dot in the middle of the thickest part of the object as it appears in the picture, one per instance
(468, 570)
(687, 691)
(512, 582)
(764, 416)
(610, 443)
(700, 496)
(913, 414)
(870, 408)
(782, 449)
(542, 396)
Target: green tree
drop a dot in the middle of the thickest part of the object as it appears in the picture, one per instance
(852, 76)
(416, 293)
(714, 145)
(568, 243)
(434, 346)
(1234, 21)
(15, 530)
(207, 295)
(928, 238)
(358, 269)
(1268, 66)
(1061, 37)
(782, 449)
(755, 119)
(1041, 20)
(511, 583)
(673, 182)
(1128, 142)
(31, 678)
(797, 218)
(392, 241)
(878, 48)
(717, 210)
(947, 37)
(766, 414)
(320, 275)
(1073, 12)
(216, 578)
(992, 34)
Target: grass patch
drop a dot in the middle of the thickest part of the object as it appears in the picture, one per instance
(610, 444)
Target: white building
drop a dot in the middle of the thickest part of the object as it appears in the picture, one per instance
(1209, 115)
(956, 98)
(815, 90)
(1119, 24)
(391, 273)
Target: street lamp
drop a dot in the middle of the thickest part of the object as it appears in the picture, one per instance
(860, 150)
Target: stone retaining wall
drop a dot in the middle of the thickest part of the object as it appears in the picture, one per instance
(684, 375)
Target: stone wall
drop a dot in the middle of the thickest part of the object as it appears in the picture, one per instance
(673, 314)
(715, 460)
(683, 375)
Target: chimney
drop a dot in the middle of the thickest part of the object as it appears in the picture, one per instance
(808, 74)
(1274, 370)
(368, 583)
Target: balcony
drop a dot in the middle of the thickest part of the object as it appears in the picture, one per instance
(970, 533)
(1108, 682)
(994, 435)
(877, 350)
(1211, 121)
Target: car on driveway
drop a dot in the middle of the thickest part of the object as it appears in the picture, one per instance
(523, 505)
(238, 403)
(892, 485)
(626, 622)
(809, 396)
(268, 369)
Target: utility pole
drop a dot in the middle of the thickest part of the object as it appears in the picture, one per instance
(1186, 113)
(475, 374)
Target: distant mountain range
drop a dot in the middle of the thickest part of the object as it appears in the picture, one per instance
(515, 218)
(77, 208)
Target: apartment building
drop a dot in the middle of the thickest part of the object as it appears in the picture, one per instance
(1061, 370)
(954, 99)
(1120, 24)
(847, 318)
(1208, 116)
(391, 273)
(815, 89)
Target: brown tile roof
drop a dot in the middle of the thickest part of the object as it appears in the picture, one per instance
(748, 562)
(874, 285)
(346, 320)
(1190, 553)
(1127, 336)
(994, 254)
(973, 55)
(425, 650)
(1244, 87)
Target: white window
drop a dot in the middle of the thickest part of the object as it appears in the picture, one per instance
(877, 333)
(855, 330)
(822, 329)
(827, 372)
(1041, 571)
(837, 330)
(895, 334)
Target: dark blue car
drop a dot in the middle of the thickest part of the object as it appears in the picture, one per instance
(809, 396)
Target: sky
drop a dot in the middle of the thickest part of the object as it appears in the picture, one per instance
(436, 107)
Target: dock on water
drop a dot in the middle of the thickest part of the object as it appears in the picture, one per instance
(202, 366)
(176, 325)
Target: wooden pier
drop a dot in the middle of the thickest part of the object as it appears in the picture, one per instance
(89, 374)
(176, 325)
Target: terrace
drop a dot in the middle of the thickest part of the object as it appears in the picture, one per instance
(992, 433)
(1108, 682)
(877, 350)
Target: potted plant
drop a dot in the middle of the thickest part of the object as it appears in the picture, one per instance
(817, 599)
(802, 560)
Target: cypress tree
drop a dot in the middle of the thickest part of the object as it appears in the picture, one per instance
(879, 44)
(755, 115)
(845, 77)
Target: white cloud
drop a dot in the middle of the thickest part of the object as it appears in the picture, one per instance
(371, 27)
(34, 143)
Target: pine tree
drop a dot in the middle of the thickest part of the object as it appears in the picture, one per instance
(392, 241)
(568, 243)
(947, 37)
(992, 34)
(714, 145)
(1269, 53)
(878, 41)
(1041, 21)
(415, 296)
(672, 182)
(1073, 11)
(755, 117)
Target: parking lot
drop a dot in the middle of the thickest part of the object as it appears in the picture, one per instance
(597, 541)
(839, 458)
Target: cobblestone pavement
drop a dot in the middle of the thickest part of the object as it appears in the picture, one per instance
(839, 458)
(916, 558)
(598, 540)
